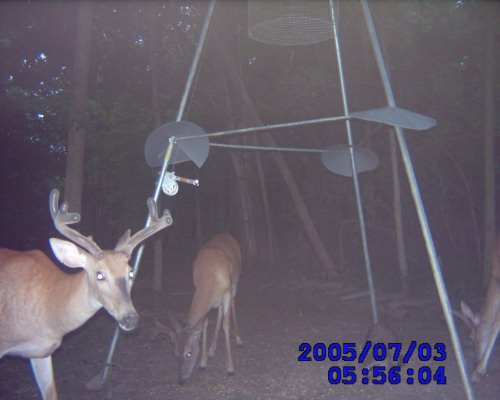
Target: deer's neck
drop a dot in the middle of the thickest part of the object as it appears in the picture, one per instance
(74, 302)
(205, 298)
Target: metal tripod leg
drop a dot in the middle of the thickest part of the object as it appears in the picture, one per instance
(99, 381)
(424, 224)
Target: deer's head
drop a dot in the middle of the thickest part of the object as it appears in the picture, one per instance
(108, 272)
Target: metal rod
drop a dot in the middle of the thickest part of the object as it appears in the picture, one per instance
(264, 148)
(267, 127)
(138, 256)
(357, 191)
(424, 224)
(168, 153)
(109, 357)
(196, 60)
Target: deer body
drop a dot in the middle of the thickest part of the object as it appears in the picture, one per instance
(484, 328)
(35, 276)
(216, 272)
(39, 303)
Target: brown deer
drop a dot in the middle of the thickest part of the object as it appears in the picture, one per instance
(216, 271)
(39, 303)
(484, 327)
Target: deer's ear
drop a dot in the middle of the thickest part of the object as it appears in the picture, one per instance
(198, 328)
(68, 253)
(471, 318)
(122, 242)
(161, 328)
(178, 327)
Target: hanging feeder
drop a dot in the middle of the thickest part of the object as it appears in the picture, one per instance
(289, 22)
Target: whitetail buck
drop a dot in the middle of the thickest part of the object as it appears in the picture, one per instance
(39, 303)
(216, 271)
(484, 327)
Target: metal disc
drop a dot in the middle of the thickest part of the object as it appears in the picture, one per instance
(169, 185)
(337, 159)
(396, 117)
(195, 149)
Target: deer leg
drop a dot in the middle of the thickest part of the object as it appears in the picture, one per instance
(227, 324)
(203, 362)
(239, 342)
(213, 344)
(44, 376)
(480, 368)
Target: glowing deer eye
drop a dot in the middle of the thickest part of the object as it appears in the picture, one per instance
(131, 274)
(100, 276)
(188, 355)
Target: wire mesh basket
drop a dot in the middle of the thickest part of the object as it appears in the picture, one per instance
(289, 22)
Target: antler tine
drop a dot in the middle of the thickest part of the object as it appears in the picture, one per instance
(127, 243)
(62, 218)
(61, 214)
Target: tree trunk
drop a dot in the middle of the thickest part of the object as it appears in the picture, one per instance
(270, 256)
(153, 46)
(396, 187)
(398, 215)
(253, 116)
(76, 135)
(244, 195)
(246, 209)
(197, 207)
(489, 146)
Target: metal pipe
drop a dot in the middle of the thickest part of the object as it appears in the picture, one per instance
(168, 153)
(267, 127)
(424, 224)
(357, 191)
(196, 61)
(264, 148)
(138, 256)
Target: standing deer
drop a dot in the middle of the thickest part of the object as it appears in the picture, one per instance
(484, 327)
(216, 271)
(39, 303)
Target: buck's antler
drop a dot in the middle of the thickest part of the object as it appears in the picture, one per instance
(62, 218)
(127, 243)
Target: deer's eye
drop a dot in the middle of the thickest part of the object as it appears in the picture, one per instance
(100, 276)
(188, 355)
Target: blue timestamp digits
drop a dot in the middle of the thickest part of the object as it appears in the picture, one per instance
(380, 375)
(393, 372)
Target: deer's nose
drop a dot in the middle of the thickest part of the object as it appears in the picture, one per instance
(130, 321)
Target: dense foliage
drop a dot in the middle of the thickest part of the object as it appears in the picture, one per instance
(435, 52)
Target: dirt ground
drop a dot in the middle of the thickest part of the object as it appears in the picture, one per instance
(275, 317)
